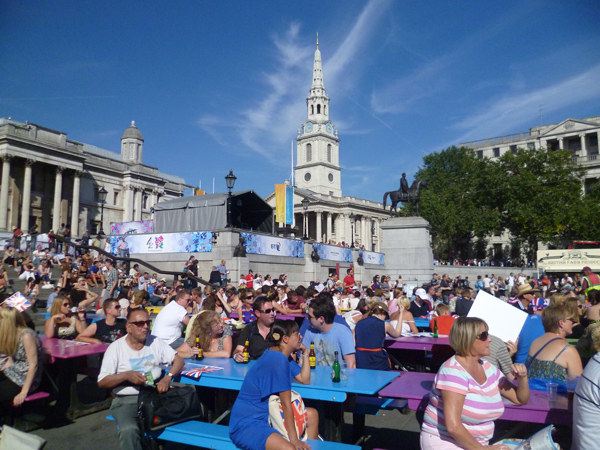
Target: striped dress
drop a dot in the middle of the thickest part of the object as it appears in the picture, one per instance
(483, 403)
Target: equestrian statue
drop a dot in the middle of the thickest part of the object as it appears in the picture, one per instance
(405, 194)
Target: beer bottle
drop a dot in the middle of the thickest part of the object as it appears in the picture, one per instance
(435, 329)
(336, 369)
(312, 357)
(245, 353)
(199, 356)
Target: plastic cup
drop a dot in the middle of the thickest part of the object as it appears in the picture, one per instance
(343, 371)
(62, 345)
(552, 390)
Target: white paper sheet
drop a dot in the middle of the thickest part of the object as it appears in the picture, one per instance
(504, 320)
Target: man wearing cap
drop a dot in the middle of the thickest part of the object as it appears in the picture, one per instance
(590, 281)
(250, 279)
(420, 306)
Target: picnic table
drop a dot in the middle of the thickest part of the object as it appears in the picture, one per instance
(360, 381)
(415, 342)
(415, 387)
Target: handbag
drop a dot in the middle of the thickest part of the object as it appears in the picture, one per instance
(300, 416)
(157, 411)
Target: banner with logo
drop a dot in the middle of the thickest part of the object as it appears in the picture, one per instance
(258, 244)
(139, 227)
(189, 242)
(568, 260)
(333, 253)
(372, 257)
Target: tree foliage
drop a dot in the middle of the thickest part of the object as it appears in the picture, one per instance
(534, 194)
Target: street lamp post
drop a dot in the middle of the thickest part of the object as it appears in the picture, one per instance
(305, 203)
(230, 180)
(352, 218)
(102, 193)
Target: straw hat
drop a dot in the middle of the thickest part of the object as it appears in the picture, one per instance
(524, 289)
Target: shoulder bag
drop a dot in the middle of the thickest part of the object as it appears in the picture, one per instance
(157, 411)
(300, 416)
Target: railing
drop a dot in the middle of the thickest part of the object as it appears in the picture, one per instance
(134, 260)
(582, 159)
(499, 139)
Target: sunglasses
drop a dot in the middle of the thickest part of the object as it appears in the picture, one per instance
(141, 323)
(66, 304)
(117, 307)
(268, 311)
(483, 336)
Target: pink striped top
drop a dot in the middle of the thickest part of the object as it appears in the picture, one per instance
(483, 403)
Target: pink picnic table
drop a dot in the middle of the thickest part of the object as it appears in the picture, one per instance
(415, 342)
(73, 349)
(415, 387)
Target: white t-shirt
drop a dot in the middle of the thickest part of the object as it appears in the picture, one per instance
(168, 325)
(120, 357)
(486, 282)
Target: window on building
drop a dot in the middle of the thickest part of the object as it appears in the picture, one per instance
(328, 152)
(496, 152)
(331, 193)
(318, 109)
(116, 197)
(324, 109)
(513, 149)
(480, 154)
(312, 109)
(308, 152)
(531, 145)
(145, 202)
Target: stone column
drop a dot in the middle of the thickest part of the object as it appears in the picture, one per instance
(4, 191)
(319, 236)
(138, 204)
(128, 204)
(25, 207)
(75, 210)
(363, 232)
(561, 143)
(329, 225)
(57, 199)
(584, 151)
(340, 227)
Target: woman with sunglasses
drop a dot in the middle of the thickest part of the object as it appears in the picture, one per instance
(63, 323)
(550, 356)
(107, 330)
(466, 395)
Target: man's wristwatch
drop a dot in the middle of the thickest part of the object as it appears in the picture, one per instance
(170, 375)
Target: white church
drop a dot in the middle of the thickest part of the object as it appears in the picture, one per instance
(331, 217)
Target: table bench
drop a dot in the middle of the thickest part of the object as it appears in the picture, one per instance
(214, 436)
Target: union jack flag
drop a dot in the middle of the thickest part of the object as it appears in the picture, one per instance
(300, 416)
(17, 300)
(197, 371)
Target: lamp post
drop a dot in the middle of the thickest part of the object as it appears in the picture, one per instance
(230, 180)
(352, 218)
(102, 193)
(305, 203)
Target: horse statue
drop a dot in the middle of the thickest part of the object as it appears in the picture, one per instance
(413, 196)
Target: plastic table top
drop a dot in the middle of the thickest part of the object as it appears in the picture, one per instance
(421, 322)
(415, 343)
(415, 387)
(73, 349)
(291, 316)
(88, 316)
(360, 381)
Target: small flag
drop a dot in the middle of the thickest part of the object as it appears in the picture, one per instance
(17, 300)
(196, 372)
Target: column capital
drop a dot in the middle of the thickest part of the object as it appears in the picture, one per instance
(29, 162)
(319, 211)
(59, 169)
(129, 187)
(7, 157)
(77, 173)
(155, 191)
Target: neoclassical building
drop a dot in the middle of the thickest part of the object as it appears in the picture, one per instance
(48, 179)
(318, 178)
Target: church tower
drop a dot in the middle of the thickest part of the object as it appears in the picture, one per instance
(318, 163)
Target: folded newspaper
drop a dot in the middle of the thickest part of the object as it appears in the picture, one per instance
(542, 440)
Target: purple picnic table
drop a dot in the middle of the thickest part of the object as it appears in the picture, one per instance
(73, 349)
(415, 387)
(415, 342)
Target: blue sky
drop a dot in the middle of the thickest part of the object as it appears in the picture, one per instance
(215, 86)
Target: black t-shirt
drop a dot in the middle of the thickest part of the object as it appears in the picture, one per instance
(257, 345)
(446, 293)
(463, 306)
(418, 311)
(110, 333)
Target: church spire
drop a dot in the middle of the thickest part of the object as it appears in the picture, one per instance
(317, 70)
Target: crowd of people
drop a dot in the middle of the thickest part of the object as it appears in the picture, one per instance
(341, 316)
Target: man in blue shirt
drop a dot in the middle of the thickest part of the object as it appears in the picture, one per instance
(223, 271)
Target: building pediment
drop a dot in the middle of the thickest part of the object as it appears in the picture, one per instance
(569, 126)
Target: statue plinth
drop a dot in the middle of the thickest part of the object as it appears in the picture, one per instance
(407, 246)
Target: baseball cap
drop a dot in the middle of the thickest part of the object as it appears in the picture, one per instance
(421, 293)
(586, 268)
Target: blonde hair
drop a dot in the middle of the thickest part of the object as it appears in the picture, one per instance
(370, 301)
(441, 308)
(138, 298)
(398, 293)
(57, 303)
(557, 299)
(11, 325)
(463, 333)
(403, 301)
(571, 303)
(202, 327)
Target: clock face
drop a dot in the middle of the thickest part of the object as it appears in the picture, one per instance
(329, 128)
(308, 127)
(307, 176)
(330, 177)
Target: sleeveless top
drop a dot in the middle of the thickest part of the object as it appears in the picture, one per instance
(370, 335)
(17, 371)
(66, 332)
(546, 369)
(110, 333)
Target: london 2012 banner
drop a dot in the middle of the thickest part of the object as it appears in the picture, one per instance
(333, 253)
(138, 227)
(372, 257)
(189, 242)
(258, 244)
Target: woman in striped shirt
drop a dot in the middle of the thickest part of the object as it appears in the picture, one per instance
(466, 395)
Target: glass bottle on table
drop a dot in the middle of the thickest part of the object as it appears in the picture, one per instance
(335, 372)
(200, 355)
(435, 329)
(245, 353)
(312, 357)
